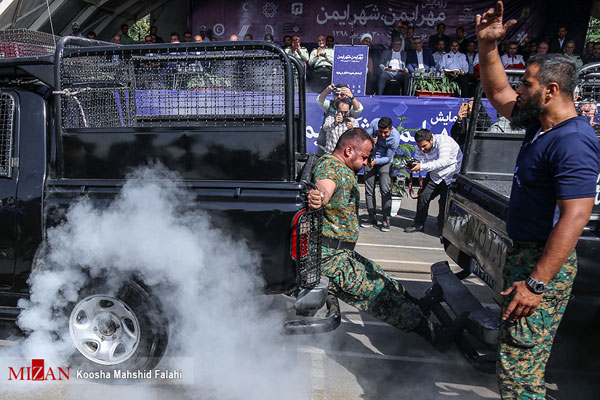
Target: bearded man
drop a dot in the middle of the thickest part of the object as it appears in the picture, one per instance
(553, 191)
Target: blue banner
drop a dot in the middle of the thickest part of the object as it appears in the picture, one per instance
(434, 113)
(350, 67)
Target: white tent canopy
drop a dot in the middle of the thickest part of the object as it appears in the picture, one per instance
(101, 16)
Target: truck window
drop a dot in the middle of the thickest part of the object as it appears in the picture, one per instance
(7, 112)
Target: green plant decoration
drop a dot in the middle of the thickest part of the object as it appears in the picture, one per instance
(431, 83)
(404, 153)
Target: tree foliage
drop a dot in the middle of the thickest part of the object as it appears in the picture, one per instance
(593, 32)
(140, 29)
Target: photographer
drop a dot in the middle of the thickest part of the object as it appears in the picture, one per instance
(386, 139)
(337, 124)
(441, 158)
(461, 126)
(340, 91)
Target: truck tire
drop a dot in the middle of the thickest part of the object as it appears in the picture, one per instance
(122, 331)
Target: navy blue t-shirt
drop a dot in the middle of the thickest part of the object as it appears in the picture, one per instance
(560, 164)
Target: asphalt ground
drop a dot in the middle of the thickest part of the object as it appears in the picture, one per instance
(364, 358)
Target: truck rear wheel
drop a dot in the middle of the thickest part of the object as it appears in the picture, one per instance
(121, 331)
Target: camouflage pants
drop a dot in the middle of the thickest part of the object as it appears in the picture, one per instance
(361, 283)
(524, 345)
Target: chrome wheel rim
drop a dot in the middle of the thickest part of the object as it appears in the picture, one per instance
(104, 329)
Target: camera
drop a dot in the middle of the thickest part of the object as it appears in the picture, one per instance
(410, 164)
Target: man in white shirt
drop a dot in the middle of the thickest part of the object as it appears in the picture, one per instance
(321, 61)
(511, 59)
(393, 66)
(454, 64)
(441, 158)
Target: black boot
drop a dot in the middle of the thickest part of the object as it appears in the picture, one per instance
(434, 295)
(440, 336)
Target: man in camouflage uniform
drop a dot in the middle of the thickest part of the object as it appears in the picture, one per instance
(353, 278)
(552, 196)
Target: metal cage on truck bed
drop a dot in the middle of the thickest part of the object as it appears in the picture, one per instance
(588, 90)
(243, 101)
(173, 85)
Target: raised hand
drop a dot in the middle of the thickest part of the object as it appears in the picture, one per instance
(489, 26)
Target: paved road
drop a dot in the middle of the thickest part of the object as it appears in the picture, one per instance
(364, 358)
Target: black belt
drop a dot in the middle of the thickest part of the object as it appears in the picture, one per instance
(337, 244)
(523, 245)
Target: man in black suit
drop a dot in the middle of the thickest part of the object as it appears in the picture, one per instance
(434, 39)
(419, 58)
(393, 66)
(557, 44)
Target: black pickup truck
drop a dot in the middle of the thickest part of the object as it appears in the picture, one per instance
(77, 115)
(474, 236)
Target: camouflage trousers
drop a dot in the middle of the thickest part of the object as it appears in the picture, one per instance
(524, 345)
(363, 284)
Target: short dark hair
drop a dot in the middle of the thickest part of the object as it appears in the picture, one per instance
(423, 134)
(342, 100)
(555, 68)
(341, 85)
(384, 123)
(330, 37)
(461, 28)
(353, 136)
(174, 34)
(454, 41)
(441, 24)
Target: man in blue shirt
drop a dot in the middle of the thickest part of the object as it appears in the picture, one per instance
(553, 192)
(386, 139)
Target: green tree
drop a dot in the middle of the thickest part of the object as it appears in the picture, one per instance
(593, 32)
(140, 28)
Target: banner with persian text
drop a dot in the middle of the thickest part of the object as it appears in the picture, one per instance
(433, 113)
(350, 67)
(347, 20)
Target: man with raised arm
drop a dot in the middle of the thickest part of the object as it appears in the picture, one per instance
(553, 191)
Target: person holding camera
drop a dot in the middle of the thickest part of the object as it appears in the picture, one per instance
(441, 158)
(339, 91)
(339, 123)
(386, 139)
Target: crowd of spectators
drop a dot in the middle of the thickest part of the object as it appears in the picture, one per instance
(408, 53)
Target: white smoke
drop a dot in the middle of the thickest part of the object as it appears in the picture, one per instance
(208, 284)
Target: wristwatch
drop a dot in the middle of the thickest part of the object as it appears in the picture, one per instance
(352, 98)
(537, 287)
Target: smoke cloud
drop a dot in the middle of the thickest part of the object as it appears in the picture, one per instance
(208, 284)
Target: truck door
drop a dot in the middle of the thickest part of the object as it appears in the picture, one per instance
(8, 187)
